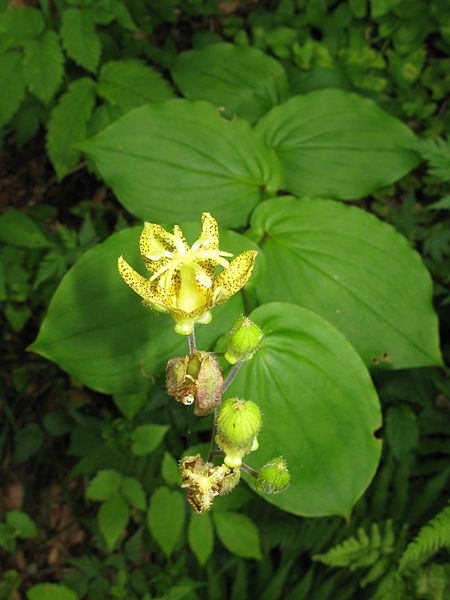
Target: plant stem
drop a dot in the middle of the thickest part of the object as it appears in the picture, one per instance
(234, 371)
(249, 470)
(191, 342)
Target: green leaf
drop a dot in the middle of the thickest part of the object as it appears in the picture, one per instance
(337, 144)
(402, 430)
(169, 470)
(201, 537)
(241, 79)
(134, 492)
(320, 410)
(379, 8)
(17, 229)
(238, 534)
(165, 518)
(80, 38)
(355, 271)
(104, 485)
(177, 159)
(104, 336)
(68, 124)
(113, 518)
(21, 23)
(130, 404)
(22, 524)
(50, 591)
(27, 442)
(13, 89)
(147, 438)
(43, 66)
(127, 84)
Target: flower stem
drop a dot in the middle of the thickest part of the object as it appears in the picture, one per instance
(234, 371)
(191, 342)
(249, 470)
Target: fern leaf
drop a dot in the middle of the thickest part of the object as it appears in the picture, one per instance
(68, 123)
(80, 38)
(13, 89)
(43, 66)
(391, 587)
(434, 581)
(431, 538)
(437, 154)
(362, 550)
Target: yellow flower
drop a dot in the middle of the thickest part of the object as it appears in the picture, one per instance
(182, 280)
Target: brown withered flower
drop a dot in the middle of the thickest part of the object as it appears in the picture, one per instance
(204, 481)
(195, 378)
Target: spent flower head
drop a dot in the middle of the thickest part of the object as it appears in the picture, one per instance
(182, 279)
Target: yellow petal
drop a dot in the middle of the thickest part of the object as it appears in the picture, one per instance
(231, 280)
(209, 233)
(154, 242)
(141, 285)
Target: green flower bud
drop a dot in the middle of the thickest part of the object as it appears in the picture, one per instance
(238, 424)
(274, 477)
(244, 340)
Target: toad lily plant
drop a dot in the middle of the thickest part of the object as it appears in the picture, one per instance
(183, 283)
(182, 278)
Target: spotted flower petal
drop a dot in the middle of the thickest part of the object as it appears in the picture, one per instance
(231, 280)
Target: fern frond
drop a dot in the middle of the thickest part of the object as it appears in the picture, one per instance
(362, 550)
(437, 153)
(391, 587)
(434, 581)
(431, 538)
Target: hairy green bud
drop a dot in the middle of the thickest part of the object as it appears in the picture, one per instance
(274, 477)
(243, 341)
(238, 424)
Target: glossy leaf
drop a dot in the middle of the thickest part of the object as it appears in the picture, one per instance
(241, 79)
(97, 329)
(337, 144)
(320, 410)
(201, 536)
(238, 534)
(166, 518)
(355, 271)
(176, 159)
(113, 518)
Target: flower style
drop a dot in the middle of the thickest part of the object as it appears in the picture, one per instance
(182, 280)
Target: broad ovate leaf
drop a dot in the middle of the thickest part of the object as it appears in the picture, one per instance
(320, 410)
(242, 80)
(355, 271)
(336, 144)
(98, 330)
(179, 158)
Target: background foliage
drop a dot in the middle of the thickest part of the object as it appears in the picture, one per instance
(90, 500)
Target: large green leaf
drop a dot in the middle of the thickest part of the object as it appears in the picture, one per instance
(179, 158)
(97, 329)
(320, 410)
(238, 534)
(355, 271)
(337, 144)
(241, 79)
(126, 84)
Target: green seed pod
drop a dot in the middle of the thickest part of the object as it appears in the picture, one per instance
(195, 378)
(274, 477)
(229, 482)
(238, 424)
(244, 340)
